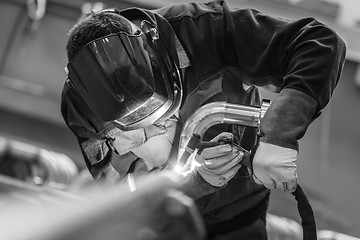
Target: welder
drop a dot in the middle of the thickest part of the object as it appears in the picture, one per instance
(136, 75)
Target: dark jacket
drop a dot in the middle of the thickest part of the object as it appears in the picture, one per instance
(230, 53)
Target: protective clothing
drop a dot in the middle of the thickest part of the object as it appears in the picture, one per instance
(160, 145)
(275, 167)
(223, 54)
(219, 164)
(129, 79)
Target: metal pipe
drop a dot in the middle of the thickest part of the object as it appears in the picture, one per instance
(217, 113)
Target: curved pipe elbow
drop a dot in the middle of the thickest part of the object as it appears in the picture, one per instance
(221, 112)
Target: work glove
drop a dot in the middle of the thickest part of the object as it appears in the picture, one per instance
(275, 167)
(217, 165)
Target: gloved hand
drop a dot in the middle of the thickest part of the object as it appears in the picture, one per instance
(218, 165)
(275, 167)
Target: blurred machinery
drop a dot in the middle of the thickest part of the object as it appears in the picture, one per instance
(36, 165)
(156, 210)
(43, 194)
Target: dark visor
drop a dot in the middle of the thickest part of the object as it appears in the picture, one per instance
(120, 77)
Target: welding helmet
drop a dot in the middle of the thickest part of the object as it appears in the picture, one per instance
(127, 79)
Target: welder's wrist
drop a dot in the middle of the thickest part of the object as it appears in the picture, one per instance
(280, 143)
(288, 118)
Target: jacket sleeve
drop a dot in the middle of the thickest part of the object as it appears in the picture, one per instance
(300, 59)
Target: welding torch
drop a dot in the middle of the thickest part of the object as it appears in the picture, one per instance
(196, 143)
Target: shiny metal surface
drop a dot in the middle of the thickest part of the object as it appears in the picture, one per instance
(221, 112)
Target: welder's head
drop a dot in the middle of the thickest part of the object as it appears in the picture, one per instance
(122, 70)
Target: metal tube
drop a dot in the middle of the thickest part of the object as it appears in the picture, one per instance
(217, 113)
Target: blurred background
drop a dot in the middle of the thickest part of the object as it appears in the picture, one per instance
(32, 61)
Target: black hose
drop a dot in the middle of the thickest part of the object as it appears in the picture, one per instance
(306, 213)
